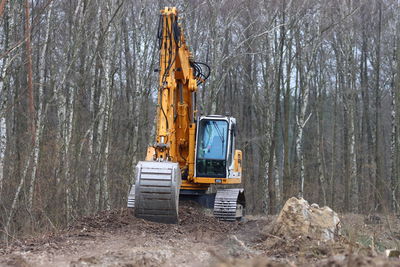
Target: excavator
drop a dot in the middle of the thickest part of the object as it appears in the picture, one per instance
(191, 152)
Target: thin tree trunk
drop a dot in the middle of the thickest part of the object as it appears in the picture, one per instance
(352, 132)
(301, 120)
(107, 112)
(378, 179)
(320, 145)
(366, 121)
(346, 154)
(3, 84)
(395, 115)
(333, 175)
(353, 162)
(397, 105)
(41, 114)
(393, 178)
(31, 105)
(3, 144)
(18, 191)
(272, 159)
(2, 5)
(287, 180)
(65, 114)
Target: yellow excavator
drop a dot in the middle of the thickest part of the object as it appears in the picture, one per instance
(191, 152)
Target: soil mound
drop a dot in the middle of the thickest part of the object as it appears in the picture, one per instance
(297, 218)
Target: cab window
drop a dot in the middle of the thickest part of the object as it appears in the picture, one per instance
(213, 139)
(212, 143)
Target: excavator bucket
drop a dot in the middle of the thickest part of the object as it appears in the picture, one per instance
(157, 191)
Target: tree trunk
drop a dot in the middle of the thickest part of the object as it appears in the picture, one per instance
(395, 114)
(301, 119)
(4, 83)
(41, 113)
(277, 85)
(378, 160)
(320, 144)
(333, 176)
(31, 103)
(287, 179)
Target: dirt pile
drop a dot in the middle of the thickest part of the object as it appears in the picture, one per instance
(107, 219)
(297, 218)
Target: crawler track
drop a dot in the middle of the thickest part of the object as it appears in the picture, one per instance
(228, 204)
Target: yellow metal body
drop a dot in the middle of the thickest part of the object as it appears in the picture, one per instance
(176, 127)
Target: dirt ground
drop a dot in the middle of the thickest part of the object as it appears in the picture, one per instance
(117, 238)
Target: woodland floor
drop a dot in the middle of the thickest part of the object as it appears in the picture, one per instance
(117, 238)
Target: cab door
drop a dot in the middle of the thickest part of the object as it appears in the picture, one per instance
(212, 147)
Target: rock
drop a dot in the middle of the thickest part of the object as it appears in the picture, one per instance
(315, 205)
(297, 218)
(392, 253)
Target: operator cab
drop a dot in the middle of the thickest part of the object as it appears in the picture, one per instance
(215, 146)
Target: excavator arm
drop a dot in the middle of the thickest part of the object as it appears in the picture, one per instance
(177, 85)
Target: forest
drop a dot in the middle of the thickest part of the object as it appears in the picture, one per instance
(314, 86)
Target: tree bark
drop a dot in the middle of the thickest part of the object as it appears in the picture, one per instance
(41, 110)
(31, 104)
(287, 179)
(378, 161)
(277, 85)
(301, 119)
(2, 4)
(395, 120)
